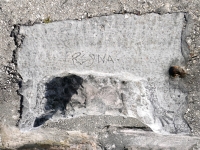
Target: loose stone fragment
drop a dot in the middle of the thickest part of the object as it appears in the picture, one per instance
(175, 71)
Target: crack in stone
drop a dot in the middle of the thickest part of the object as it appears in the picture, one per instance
(18, 40)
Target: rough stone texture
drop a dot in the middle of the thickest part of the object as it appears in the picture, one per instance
(48, 139)
(131, 53)
(14, 12)
(96, 123)
(111, 137)
(141, 140)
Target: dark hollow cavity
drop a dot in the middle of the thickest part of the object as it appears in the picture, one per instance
(58, 94)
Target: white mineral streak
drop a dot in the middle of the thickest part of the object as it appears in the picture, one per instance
(136, 49)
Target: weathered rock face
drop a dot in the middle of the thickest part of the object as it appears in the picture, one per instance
(57, 124)
(112, 65)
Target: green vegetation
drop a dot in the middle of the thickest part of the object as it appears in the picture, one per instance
(47, 20)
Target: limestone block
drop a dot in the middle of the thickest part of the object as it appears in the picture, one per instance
(111, 65)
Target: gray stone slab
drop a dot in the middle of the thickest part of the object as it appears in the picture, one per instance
(122, 62)
(96, 124)
(140, 140)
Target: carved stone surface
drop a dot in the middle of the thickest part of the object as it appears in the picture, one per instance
(123, 61)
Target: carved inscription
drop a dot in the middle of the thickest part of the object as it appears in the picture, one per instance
(89, 59)
(111, 44)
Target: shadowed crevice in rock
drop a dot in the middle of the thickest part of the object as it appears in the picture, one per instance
(21, 103)
(58, 94)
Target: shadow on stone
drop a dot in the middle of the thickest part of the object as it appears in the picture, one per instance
(58, 94)
(35, 146)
